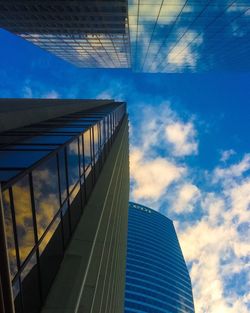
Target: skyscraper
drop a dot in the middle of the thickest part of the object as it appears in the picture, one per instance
(157, 278)
(170, 36)
(146, 35)
(84, 33)
(64, 197)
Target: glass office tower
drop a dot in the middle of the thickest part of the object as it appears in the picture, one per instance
(165, 36)
(157, 278)
(170, 36)
(64, 192)
(84, 33)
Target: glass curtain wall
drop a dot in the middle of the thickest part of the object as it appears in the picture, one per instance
(47, 175)
(157, 279)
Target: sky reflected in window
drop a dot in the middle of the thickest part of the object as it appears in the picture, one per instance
(23, 215)
(188, 36)
(46, 194)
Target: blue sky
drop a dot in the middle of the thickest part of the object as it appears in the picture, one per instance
(189, 155)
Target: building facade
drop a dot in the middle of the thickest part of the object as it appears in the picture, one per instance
(157, 278)
(84, 33)
(64, 196)
(159, 36)
(175, 36)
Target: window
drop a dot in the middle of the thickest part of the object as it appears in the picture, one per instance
(87, 149)
(48, 236)
(62, 174)
(106, 124)
(9, 233)
(23, 215)
(46, 194)
(73, 163)
(74, 193)
(96, 141)
(30, 286)
(102, 133)
(81, 154)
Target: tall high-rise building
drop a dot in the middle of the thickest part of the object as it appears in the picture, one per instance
(146, 35)
(84, 33)
(157, 278)
(63, 205)
(171, 36)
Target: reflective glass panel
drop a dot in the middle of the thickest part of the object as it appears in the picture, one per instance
(96, 141)
(30, 286)
(74, 193)
(9, 233)
(32, 262)
(112, 122)
(16, 289)
(24, 219)
(73, 163)
(81, 154)
(102, 133)
(110, 125)
(105, 135)
(46, 193)
(62, 171)
(87, 149)
(87, 171)
(48, 236)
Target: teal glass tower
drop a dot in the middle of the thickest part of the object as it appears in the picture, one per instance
(157, 278)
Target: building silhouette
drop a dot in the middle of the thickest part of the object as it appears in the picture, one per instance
(157, 278)
(64, 198)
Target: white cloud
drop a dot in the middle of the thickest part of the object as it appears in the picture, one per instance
(240, 201)
(152, 174)
(213, 206)
(104, 95)
(182, 137)
(233, 171)
(150, 128)
(27, 92)
(206, 246)
(114, 90)
(185, 52)
(225, 155)
(151, 177)
(214, 244)
(159, 127)
(216, 248)
(34, 90)
(185, 199)
(52, 94)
